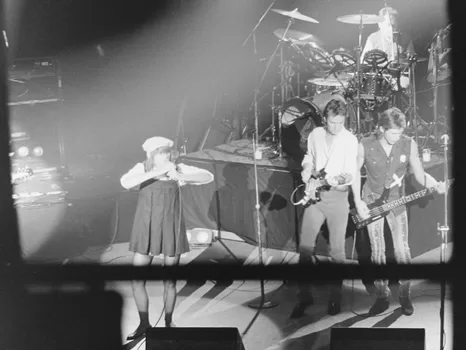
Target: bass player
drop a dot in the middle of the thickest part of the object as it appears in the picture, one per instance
(334, 149)
(386, 156)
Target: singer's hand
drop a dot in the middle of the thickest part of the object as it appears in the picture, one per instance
(161, 171)
(173, 175)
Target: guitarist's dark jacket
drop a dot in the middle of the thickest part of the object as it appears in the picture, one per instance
(385, 172)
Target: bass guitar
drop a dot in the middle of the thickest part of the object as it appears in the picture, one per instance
(380, 207)
(308, 198)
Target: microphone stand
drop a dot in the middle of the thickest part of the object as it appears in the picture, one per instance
(257, 25)
(443, 231)
(262, 303)
(358, 73)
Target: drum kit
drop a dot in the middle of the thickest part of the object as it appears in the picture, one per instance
(310, 77)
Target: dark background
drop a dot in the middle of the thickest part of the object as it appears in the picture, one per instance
(157, 52)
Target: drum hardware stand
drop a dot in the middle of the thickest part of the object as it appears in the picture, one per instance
(273, 115)
(179, 135)
(262, 303)
(443, 231)
(434, 51)
(256, 91)
(412, 100)
(206, 135)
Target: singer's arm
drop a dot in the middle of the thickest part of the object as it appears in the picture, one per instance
(137, 176)
(194, 175)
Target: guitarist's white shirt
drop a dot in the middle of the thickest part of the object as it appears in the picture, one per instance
(340, 158)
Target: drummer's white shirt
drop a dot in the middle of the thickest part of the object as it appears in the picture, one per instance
(340, 158)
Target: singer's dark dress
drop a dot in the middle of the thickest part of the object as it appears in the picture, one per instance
(158, 226)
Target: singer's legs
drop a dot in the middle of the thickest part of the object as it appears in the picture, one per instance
(169, 291)
(140, 296)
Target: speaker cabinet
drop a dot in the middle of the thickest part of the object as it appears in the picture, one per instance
(194, 338)
(377, 339)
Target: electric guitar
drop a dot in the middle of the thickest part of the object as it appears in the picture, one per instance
(320, 183)
(380, 208)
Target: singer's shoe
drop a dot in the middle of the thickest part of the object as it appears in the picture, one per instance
(407, 307)
(299, 309)
(380, 305)
(138, 333)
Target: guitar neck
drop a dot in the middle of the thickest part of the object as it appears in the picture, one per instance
(406, 199)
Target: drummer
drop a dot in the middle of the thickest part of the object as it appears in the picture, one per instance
(388, 36)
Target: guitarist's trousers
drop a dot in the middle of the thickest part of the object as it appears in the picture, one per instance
(333, 208)
(398, 225)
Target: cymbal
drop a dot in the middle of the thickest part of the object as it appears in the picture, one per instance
(356, 19)
(295, 14)
(297, 37)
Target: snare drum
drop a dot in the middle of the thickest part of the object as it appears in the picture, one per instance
(298, 118)
(376, 86)
(317, 86)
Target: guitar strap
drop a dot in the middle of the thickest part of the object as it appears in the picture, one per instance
(391, 171)
(391, 179)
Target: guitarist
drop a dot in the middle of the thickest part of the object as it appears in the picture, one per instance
(334, 149)
(386, 156)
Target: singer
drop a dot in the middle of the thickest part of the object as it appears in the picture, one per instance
(334, 149)
(388, 37)
(158, 226)
(386, 156)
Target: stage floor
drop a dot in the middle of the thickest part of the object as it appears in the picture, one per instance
(212, 305)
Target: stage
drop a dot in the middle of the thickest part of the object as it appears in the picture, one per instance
(225, 209)
(210, 304)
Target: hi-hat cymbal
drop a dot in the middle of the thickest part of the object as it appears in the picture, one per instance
(295, 14)
(297, 37)
(356, 19)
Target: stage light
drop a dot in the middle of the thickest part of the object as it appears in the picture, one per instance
(203, 237)
(38, 151)
(199, 238)
(23, 151)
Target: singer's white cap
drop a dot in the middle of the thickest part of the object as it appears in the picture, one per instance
(156, 142)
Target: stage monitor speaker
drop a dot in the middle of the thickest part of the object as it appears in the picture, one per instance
(377, 339)
(194, 338)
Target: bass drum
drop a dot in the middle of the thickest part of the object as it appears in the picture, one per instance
(298, 118)
(321, 100)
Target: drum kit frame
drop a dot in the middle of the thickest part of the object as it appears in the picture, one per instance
(367, 84)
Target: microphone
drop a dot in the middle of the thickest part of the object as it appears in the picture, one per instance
(445, 138)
